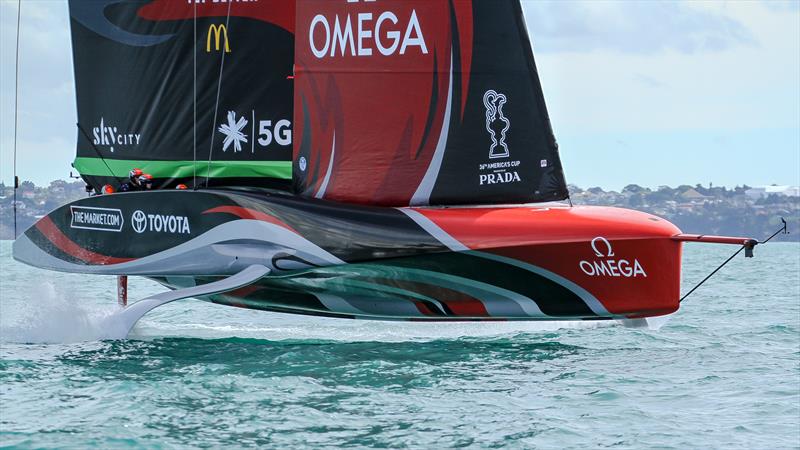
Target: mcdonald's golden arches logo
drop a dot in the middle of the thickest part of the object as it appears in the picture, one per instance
(218, 31)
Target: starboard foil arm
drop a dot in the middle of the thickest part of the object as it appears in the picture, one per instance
(128, 317)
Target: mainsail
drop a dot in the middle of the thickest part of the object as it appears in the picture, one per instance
(420, 102)
(153, 91)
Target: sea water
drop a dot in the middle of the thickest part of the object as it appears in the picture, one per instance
(723, 372)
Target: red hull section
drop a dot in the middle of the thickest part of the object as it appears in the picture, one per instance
(626, 259)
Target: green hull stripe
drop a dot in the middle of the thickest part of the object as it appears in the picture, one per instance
(185, 169)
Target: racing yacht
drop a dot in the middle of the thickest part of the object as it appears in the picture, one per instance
(385, 159)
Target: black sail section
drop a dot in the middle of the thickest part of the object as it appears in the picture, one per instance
(504, 149)
(135, 83)
(421, 102)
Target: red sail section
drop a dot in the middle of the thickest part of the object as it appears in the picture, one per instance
(361, 141)
(391, 104)
(277, 13)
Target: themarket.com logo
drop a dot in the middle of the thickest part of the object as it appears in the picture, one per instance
(99, 219)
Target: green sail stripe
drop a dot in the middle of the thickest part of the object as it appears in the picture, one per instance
(185, 169)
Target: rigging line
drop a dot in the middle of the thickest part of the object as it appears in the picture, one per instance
(216, 103)
(712, 273)
(748, 246)
(16, 114)
(194, 105)
(96, 150)
(783, 229)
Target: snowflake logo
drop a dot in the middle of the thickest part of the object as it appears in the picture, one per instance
(233, 132)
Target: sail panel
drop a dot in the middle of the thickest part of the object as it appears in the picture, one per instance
(135, 85)
(420, 102)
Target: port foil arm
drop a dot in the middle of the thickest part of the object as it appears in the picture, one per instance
(125, 319)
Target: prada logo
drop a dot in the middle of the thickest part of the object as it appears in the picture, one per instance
(219, 32)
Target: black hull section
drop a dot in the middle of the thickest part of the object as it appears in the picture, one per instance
(214, 232)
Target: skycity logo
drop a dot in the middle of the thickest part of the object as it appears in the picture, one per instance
(159, 223)
(110, 135)
(100, 219)
(360, 35)
(607, 266)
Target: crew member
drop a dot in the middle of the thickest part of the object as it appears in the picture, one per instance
(133, 183)
(146, 181)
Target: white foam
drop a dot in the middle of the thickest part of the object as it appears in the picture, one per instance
(286, 327)
(50, 316)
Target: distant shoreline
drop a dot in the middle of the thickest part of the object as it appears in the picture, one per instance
(741, 211)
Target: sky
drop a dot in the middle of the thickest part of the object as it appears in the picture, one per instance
(639, 91)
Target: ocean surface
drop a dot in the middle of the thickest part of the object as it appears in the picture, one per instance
(723, 372)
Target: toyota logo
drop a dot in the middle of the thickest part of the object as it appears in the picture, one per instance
(138, 221)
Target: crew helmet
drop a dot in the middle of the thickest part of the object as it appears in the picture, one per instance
(146, 180)
(134, 174)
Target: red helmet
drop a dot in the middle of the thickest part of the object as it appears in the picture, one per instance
(181, 187)
(134, 173)
(108, 189)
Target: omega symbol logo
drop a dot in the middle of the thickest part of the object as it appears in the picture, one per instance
(609, 253)
(138, 221)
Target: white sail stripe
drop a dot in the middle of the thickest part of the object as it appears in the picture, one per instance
(324, 187)
(422, 196)
(434, 230)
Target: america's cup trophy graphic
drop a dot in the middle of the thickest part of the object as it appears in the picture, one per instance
(496, 123)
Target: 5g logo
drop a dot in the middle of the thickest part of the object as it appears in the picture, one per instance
(282, 132)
